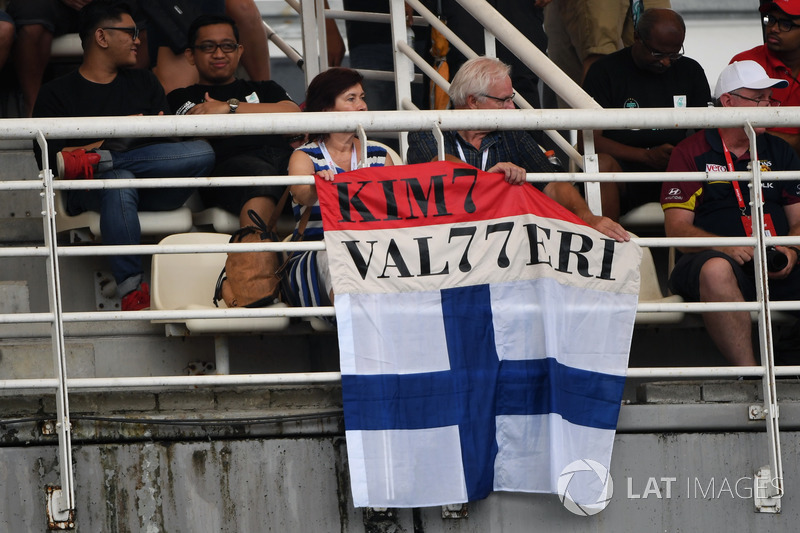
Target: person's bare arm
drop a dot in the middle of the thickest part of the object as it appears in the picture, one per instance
(211, 106)
(334, 42)
(656, 157)
(300, 164)
(568, 196)
(793, 217)
(680, 223)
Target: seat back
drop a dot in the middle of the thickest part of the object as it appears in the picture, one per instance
(151, 222)
(183, 281)
(396, 159)
(187, 281)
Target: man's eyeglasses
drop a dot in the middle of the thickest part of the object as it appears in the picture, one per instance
(661, 55)
(133, 31)
(209, 47)
(783, 24)
(504, 101)
(766, 102)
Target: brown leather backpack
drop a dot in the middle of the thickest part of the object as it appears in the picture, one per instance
(250, 279)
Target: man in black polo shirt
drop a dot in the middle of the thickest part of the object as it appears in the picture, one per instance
(722, 208)
(215, 51)
(651, 73)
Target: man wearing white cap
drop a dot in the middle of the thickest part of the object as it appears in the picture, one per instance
(722, 208)
(780, 57)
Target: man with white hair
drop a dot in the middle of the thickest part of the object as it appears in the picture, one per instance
(484, 83)
(722, 208)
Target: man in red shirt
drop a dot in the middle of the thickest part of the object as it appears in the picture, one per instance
(780, 57)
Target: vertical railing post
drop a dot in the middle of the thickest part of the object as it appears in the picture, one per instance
(61, 501)
(591, 164)
(311, 48)
(403, 66)
(771, 488)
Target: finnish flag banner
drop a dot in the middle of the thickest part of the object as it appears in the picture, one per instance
(484, 333)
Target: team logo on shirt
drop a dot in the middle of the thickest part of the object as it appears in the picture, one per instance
(763, 165)
(713, 167)
(630, 103)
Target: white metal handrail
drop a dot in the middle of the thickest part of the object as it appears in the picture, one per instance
(364, 122)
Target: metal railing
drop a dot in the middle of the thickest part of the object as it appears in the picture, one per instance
(366, 123)
(586, 119)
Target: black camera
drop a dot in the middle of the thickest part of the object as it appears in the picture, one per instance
(776, 260)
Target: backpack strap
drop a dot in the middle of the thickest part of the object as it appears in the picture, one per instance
(273, 219)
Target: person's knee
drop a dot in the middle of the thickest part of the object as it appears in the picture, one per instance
(241, 9)
(33, 33)
(6, 34)
(606, 163)
(717, 277)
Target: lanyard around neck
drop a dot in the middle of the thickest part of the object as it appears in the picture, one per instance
(484, 153)
(329, 160)
(736, 188)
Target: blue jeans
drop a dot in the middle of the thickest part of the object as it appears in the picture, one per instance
(119, 208)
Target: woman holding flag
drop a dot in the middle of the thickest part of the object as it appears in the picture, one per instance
(307, 279)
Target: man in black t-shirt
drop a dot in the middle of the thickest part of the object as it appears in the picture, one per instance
(106, 85)
(215, 51)
(650, 73)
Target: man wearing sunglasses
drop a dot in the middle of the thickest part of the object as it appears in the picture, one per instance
(651, 73)
(215, 51)
(721, 208)
(780, 57)
(106, 85)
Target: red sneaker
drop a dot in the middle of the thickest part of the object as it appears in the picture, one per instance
(76, 164)
(138, 299)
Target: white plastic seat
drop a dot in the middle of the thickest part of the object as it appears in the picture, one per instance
(646, 216)
(650, 292)
(187, 281)
(217, 218)
(151, 222)
(396, 159)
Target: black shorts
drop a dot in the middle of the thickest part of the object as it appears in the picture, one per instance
(685, 278)
(267, 161)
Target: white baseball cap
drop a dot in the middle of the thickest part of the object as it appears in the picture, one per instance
(745, 75)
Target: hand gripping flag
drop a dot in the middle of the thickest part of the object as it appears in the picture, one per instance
(484, 333)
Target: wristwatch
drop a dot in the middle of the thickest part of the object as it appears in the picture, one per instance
(233, 103)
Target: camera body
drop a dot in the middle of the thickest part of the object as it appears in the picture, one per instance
(776, 260)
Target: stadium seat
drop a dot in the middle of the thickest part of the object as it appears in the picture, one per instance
(151, 222)
(650, 292)
(187, 281)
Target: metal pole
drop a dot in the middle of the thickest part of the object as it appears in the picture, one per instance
(63, 499)
(403, 65)
(308, 23)
(774, 488)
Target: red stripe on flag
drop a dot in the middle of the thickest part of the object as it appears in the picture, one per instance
(426, 194)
